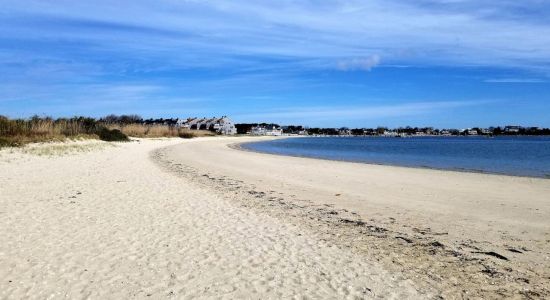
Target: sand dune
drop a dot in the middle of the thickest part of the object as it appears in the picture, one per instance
(111, 223)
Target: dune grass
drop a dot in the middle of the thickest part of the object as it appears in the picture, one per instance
(19, 132)
(64, 149)
(158, 131)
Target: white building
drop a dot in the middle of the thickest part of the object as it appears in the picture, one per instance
(471, 132)
(221, 125)
(266, 130)
(189, 123)
(344, 131)
(420, 133)
(225, 126)
(511, 129)
(390, 133)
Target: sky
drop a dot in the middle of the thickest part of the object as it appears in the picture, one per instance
(330, 63)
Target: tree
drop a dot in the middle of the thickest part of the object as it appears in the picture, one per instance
(129, 119)
(357, 131)
(381, 130)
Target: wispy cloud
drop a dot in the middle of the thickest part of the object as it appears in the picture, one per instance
(365, 64)
(423, 32)
(99, 56)
(515, 80)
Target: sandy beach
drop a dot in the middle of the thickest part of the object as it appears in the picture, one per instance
(202, 219)
(109, 223)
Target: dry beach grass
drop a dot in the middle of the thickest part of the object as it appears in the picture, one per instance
(156, 131)
(19, 132)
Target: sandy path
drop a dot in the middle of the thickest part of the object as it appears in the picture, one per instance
(484, 234)
(111, 224)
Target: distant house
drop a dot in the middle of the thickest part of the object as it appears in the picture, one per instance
(512, 129)
(204, 124)
(180, 122)
(471, 132)
(344, 131)
(390, 133)
(221, 125)
(224, 126)
(189, 123)
(271, 130)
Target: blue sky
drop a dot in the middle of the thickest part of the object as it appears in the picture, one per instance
(443, 63)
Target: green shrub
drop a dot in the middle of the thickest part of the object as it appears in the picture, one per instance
(112, 135)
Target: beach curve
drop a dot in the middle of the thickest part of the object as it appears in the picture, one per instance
(111, 223)
(463, 233)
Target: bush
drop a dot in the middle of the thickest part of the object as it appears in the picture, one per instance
(112, 135)
(186, 135)
(6, 143)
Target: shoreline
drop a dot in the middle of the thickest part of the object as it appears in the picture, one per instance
(444, 230)
(238, 146)
(196, 218)
(111, 223)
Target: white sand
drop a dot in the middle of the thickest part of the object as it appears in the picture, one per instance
(444, 229)
(110, 223)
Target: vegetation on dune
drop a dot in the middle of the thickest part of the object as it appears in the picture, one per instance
(18, 132)
(112, 135)
(158, 131)
(140, 130)
(6, 143)
(186, 135)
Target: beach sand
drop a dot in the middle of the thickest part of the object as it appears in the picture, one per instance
(109, 223)
(199, 219)
(455, 234)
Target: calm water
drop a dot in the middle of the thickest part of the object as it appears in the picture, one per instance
(524, 156)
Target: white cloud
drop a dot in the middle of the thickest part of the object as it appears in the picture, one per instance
(210, 33)
(365, 64)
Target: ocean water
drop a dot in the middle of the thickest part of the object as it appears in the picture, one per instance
(522, 156)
